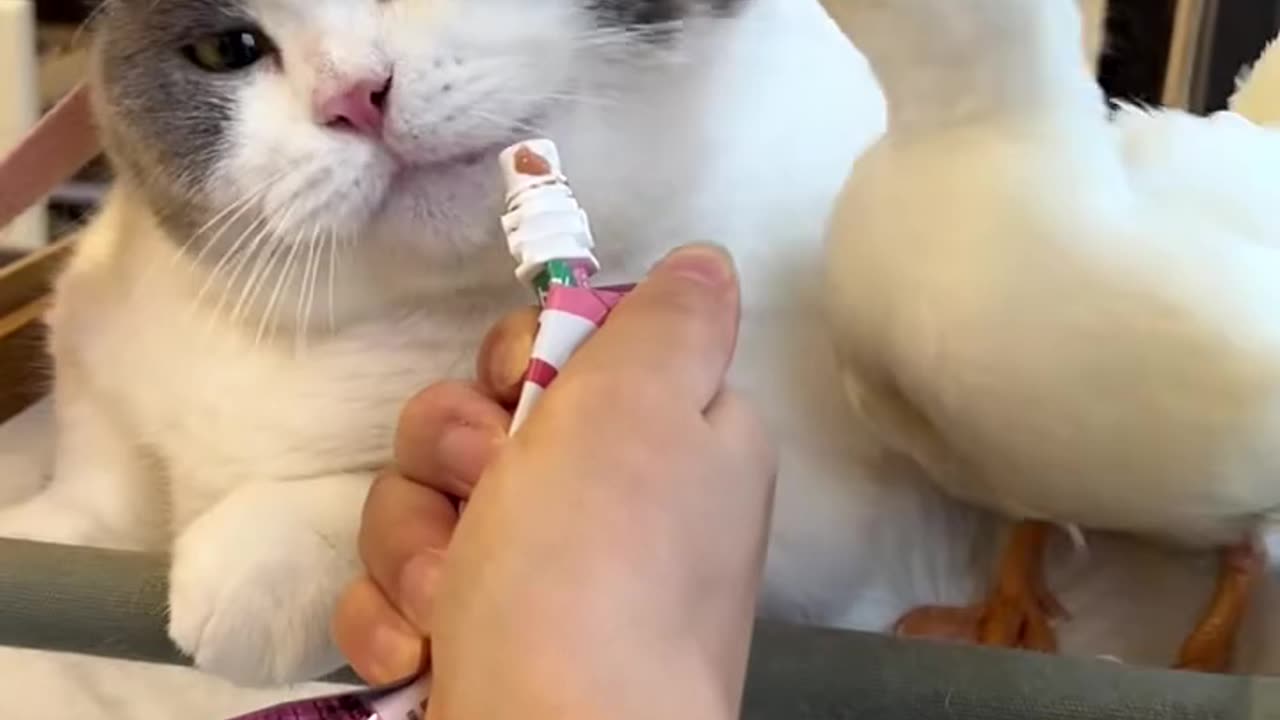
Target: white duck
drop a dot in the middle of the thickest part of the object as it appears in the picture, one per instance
(1065, 316)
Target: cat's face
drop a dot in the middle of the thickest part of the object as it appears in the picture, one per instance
(308, 120)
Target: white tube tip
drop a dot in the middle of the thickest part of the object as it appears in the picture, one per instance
(528, 163)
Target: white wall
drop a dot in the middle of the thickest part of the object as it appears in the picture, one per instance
(19, 105)
(1095, 21)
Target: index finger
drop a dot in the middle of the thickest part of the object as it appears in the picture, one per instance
(504, 355)
(679, 326)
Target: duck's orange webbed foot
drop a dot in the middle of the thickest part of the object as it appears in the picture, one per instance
(1018, 613)
(1209, 647)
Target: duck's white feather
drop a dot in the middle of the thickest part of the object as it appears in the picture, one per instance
(1061, 316)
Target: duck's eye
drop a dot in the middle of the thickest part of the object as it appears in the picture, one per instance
(229, 51)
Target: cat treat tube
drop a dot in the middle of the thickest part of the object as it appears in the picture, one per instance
(549, 237)
(403, 702)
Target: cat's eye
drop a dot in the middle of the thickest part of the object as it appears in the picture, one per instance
(228, 51)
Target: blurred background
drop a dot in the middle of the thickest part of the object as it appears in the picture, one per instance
(1184, 53)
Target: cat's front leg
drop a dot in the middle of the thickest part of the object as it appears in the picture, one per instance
(103, 491)
(255, 579)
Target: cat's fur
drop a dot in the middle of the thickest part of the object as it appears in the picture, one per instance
(198, 414)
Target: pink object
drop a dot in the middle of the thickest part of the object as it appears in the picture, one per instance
(541, 372)
(359, 106)
(569, 316)
(62, 143)
(407, 701)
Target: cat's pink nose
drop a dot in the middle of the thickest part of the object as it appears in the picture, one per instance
(358, 106)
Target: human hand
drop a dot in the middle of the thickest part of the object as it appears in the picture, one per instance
(445, 437)
(610, 561)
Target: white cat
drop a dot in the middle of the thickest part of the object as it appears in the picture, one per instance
(305, 233)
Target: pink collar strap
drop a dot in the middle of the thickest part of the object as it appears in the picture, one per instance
(62, 143)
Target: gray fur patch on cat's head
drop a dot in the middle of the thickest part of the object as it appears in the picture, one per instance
(163, 121)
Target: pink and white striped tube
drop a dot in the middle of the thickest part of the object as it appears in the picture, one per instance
(569, 316)
(406, 701)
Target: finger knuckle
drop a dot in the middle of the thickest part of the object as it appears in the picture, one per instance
(427, 412)
(374, 504)
(747, 432)
(428, 402)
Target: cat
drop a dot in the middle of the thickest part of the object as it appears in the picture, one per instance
(304, 233)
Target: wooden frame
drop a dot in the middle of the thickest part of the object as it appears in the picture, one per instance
(1185, 50)
(20, 108)
(25, 294)
(1233, 37)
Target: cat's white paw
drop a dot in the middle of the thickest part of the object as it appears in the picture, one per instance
(252, 590)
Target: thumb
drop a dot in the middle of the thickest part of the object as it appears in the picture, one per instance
(675, 333)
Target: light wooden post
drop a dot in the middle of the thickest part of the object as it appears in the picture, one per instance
(20, 108)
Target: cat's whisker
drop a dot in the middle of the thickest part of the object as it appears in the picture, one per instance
(626, 53)
(241, 262)
(566, 97)
(306, 294)
(282, 280)
(262, 267)
(616, 35)
(211, 278)
(308, 318)
(591, 99)
(243, 203)
(332, 241)
(236, 255)
(621, 44)
(522, 125)
(250, 200)
(216, 240)
(240, 206)
(89, 19)
(260, 259)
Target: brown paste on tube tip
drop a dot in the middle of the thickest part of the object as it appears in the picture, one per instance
(531, 163)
